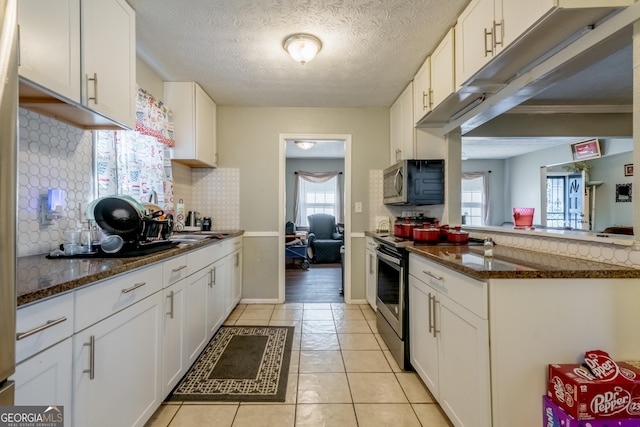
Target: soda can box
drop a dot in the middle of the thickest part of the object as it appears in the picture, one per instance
(583, 396)
(555, 416)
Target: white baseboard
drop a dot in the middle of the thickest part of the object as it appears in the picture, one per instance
(260, 301)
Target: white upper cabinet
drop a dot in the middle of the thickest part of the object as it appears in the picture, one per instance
(443, 82)
(194, 124)
(474, 42)
(109, 58)
(488, 29)
(82, 69)
(436, 79)
(422, 91)
(402, 131)
(50, 54)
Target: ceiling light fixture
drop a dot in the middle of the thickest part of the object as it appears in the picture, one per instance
(305, 145)
(302, 47)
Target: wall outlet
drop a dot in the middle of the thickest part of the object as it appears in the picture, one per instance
(358, 207)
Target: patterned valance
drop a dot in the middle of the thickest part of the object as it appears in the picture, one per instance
(153, 118)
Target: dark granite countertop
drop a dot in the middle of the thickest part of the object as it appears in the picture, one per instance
(514, 263)
(39, 277)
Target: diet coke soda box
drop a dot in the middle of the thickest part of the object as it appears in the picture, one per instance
(600, 388)
(555, 416)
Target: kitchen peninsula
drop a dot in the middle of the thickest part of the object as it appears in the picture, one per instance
(483, 330)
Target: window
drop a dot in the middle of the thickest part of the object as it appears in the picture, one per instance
(317, 197)
(473, 207)
(556, 201)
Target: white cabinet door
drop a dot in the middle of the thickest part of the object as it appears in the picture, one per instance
(219, 284)
(173, 335)
(402, 126)
(196, 314)
(423, 344)
(442, 69)
(45, 379)
(109, 59)
(116, 365)
(371, 276)
(236, 280)
(50, 53)
(395, 132)
(422, 91)
(465, 392)
(194, 122)
(472, 38)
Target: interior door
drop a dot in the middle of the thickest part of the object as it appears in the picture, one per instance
(575, 202)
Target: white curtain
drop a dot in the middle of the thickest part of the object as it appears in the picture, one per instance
(485, 191)
(316, 177)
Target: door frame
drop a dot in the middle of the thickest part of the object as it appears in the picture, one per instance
(346, 138)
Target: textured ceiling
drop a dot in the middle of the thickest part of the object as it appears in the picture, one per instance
(233, 48)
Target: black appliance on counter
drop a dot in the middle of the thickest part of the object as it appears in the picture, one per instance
(414, 183)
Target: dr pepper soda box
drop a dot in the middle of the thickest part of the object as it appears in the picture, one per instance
(555, 416)
(599, 388)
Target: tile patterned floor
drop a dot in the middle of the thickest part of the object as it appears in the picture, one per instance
(341, 375)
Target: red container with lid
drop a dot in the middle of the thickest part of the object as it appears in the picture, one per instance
(426, 235)
(457, 235)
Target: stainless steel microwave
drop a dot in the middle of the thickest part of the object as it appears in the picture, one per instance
(414, 183)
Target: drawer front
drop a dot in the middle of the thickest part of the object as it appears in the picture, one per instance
(469, 293)
(174, 270)
(101, 300)
(199, 259)
(42, 324)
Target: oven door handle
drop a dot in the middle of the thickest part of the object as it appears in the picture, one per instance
(388, 258)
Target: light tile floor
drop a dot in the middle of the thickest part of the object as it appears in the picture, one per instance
(341, 375)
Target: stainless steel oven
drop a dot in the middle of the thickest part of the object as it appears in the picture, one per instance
(391, 301)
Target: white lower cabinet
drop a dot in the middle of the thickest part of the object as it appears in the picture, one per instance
(196, 314)
(116, 366)
(174, 363)
(371, 278)
(45, 379)
(217, 295)
(450, 342)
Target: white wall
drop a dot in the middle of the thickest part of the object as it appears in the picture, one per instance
(523, 174)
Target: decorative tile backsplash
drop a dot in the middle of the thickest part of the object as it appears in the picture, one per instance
(216, 194)
(52, 154)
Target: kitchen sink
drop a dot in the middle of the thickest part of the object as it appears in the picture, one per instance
(198, 236)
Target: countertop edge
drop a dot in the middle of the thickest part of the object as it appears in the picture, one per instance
(129, 265)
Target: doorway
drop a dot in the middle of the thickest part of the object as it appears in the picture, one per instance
(325, 158)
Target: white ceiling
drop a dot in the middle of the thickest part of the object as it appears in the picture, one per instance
(371, 50)
(233, 48)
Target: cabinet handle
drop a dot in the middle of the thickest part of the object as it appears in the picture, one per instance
(371, 264)
(237, 261)
(428, 273)
(134, 287)
(424, 100)
(430, 99)
(430, 314)
(488, 47)
(19, 47)
(182, 267)
(93, 79)
(436, 331)
(170, 313)
(495, 33)
(92, 357)
(213, 275)
(50, 323)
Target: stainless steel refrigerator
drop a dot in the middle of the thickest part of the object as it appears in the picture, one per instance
(8, 173)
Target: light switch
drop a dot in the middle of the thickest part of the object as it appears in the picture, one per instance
(358, 207)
